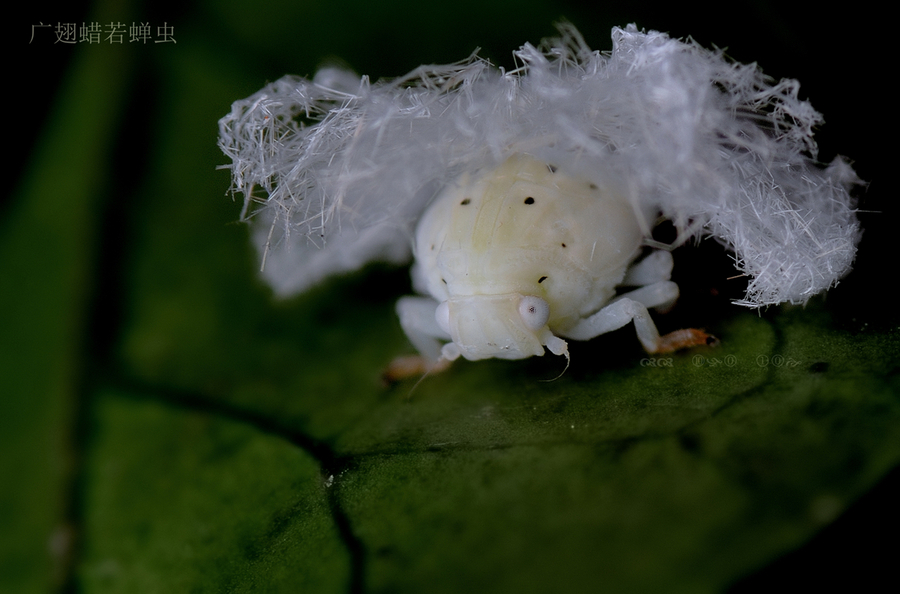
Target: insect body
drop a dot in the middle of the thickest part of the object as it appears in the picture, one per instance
(516, 257)
(522, 254)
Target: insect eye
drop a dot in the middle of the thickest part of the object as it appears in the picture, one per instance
(534, 311)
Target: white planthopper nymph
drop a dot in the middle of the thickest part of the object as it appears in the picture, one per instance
(526, 196)
(516, 256)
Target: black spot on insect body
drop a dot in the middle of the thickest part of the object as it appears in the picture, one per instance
(465, 202)
(542, 279)
(529, 200)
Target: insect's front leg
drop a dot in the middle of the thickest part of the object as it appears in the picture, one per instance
(614, 316)
(418, 322)
(632, 307)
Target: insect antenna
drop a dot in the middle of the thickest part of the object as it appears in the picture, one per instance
(563, 372)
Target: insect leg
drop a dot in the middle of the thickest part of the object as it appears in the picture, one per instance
(417, 320)
(614, 316)
(624, 310)
(662, 295)
(652, 269)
